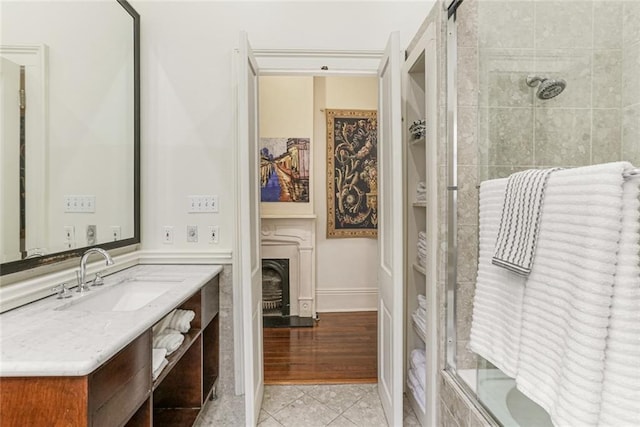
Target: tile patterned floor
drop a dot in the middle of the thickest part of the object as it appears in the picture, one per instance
(346, 405)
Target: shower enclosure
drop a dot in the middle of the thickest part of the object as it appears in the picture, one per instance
(531, 84)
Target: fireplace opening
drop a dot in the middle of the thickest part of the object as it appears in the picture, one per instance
(275, 287)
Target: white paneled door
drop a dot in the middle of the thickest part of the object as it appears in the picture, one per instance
(249, 229)
(390, 230)
(390, 234)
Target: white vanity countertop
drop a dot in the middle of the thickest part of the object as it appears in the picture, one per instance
(39, 340)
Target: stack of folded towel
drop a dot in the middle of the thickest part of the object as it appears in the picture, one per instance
(417, 376)
(420, 315)
(421, 192)
(168, 337)
(158, 361)
(422, 248)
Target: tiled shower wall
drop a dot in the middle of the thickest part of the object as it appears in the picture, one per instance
(594, 45)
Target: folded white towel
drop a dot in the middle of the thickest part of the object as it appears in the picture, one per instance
(566, 305)
(163, 364)
(168, 339)
(520, 219)
(497, 303)
(157, 355)
(418, 392)
(418, 357)
(621, 385)
(181, 320)
(422, 301)
(162, 324)
(420, 323)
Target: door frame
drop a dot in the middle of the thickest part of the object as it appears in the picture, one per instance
(296, 62)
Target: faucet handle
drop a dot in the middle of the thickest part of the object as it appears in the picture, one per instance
(63, 291)
(98, 280)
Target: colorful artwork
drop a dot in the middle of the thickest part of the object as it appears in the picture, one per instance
(284, 169)
(352, 173)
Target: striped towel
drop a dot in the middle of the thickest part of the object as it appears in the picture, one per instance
(523, 199)
(497, 302)
(621, 387)
(566, 307)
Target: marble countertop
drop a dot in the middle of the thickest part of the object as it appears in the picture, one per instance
(40, 339)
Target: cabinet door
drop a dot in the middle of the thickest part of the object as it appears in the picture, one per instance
(390, 233)
(249, 239)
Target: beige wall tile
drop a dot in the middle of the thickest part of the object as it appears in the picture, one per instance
(467, 77)
(506, 136)
(467, 195)
(607, 24)
(502, 77)
(506, 23)
(571, 65)
(565, 25)
(607, 79)
(631, 75)
(606, 141)
(467, 252)
(467, 136)
(631, 135)
(563, 137)
(631, 22)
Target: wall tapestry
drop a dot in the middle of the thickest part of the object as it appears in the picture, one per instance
(352, 173)
(284, 169)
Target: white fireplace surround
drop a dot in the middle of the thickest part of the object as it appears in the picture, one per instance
(294, 238)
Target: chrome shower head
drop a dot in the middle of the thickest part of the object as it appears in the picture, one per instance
(548, 88)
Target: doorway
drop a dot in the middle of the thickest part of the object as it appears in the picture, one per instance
(292, 111)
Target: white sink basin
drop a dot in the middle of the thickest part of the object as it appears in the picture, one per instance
(128, 296)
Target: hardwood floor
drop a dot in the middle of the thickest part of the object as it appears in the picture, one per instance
(341, 348)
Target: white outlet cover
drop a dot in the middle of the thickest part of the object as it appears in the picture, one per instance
(167, 234)
(214, 234)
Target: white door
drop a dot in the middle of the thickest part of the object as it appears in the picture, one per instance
(390, 230)
(9, 160)
(249, 226)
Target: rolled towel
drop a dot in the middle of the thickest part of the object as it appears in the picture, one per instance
(164, 362)
(163, 324)
(418, 357)
(181, 320)
(157, 356)
(168, 339)
(422, 301)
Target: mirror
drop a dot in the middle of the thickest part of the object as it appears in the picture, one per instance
(69, 123)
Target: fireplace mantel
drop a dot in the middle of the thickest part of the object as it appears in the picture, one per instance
(294, 237)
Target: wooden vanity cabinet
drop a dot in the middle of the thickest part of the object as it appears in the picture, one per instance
(121, 391)
(109, 396)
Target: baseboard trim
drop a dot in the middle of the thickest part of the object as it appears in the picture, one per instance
(346, 299)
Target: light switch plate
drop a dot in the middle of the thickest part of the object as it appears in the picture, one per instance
(214, 234)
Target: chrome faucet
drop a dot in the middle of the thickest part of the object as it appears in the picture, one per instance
(82, 286)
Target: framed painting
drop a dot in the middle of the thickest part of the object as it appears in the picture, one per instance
(352, 173)
(284, 170)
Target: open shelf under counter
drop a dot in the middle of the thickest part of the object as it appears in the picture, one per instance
(175, 357)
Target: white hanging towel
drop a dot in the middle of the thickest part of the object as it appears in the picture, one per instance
(497, 303)
(566, 305)
(621, 387)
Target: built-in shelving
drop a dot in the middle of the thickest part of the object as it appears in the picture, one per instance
(420, 104)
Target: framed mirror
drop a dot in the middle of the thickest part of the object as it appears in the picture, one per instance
(70, 129)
